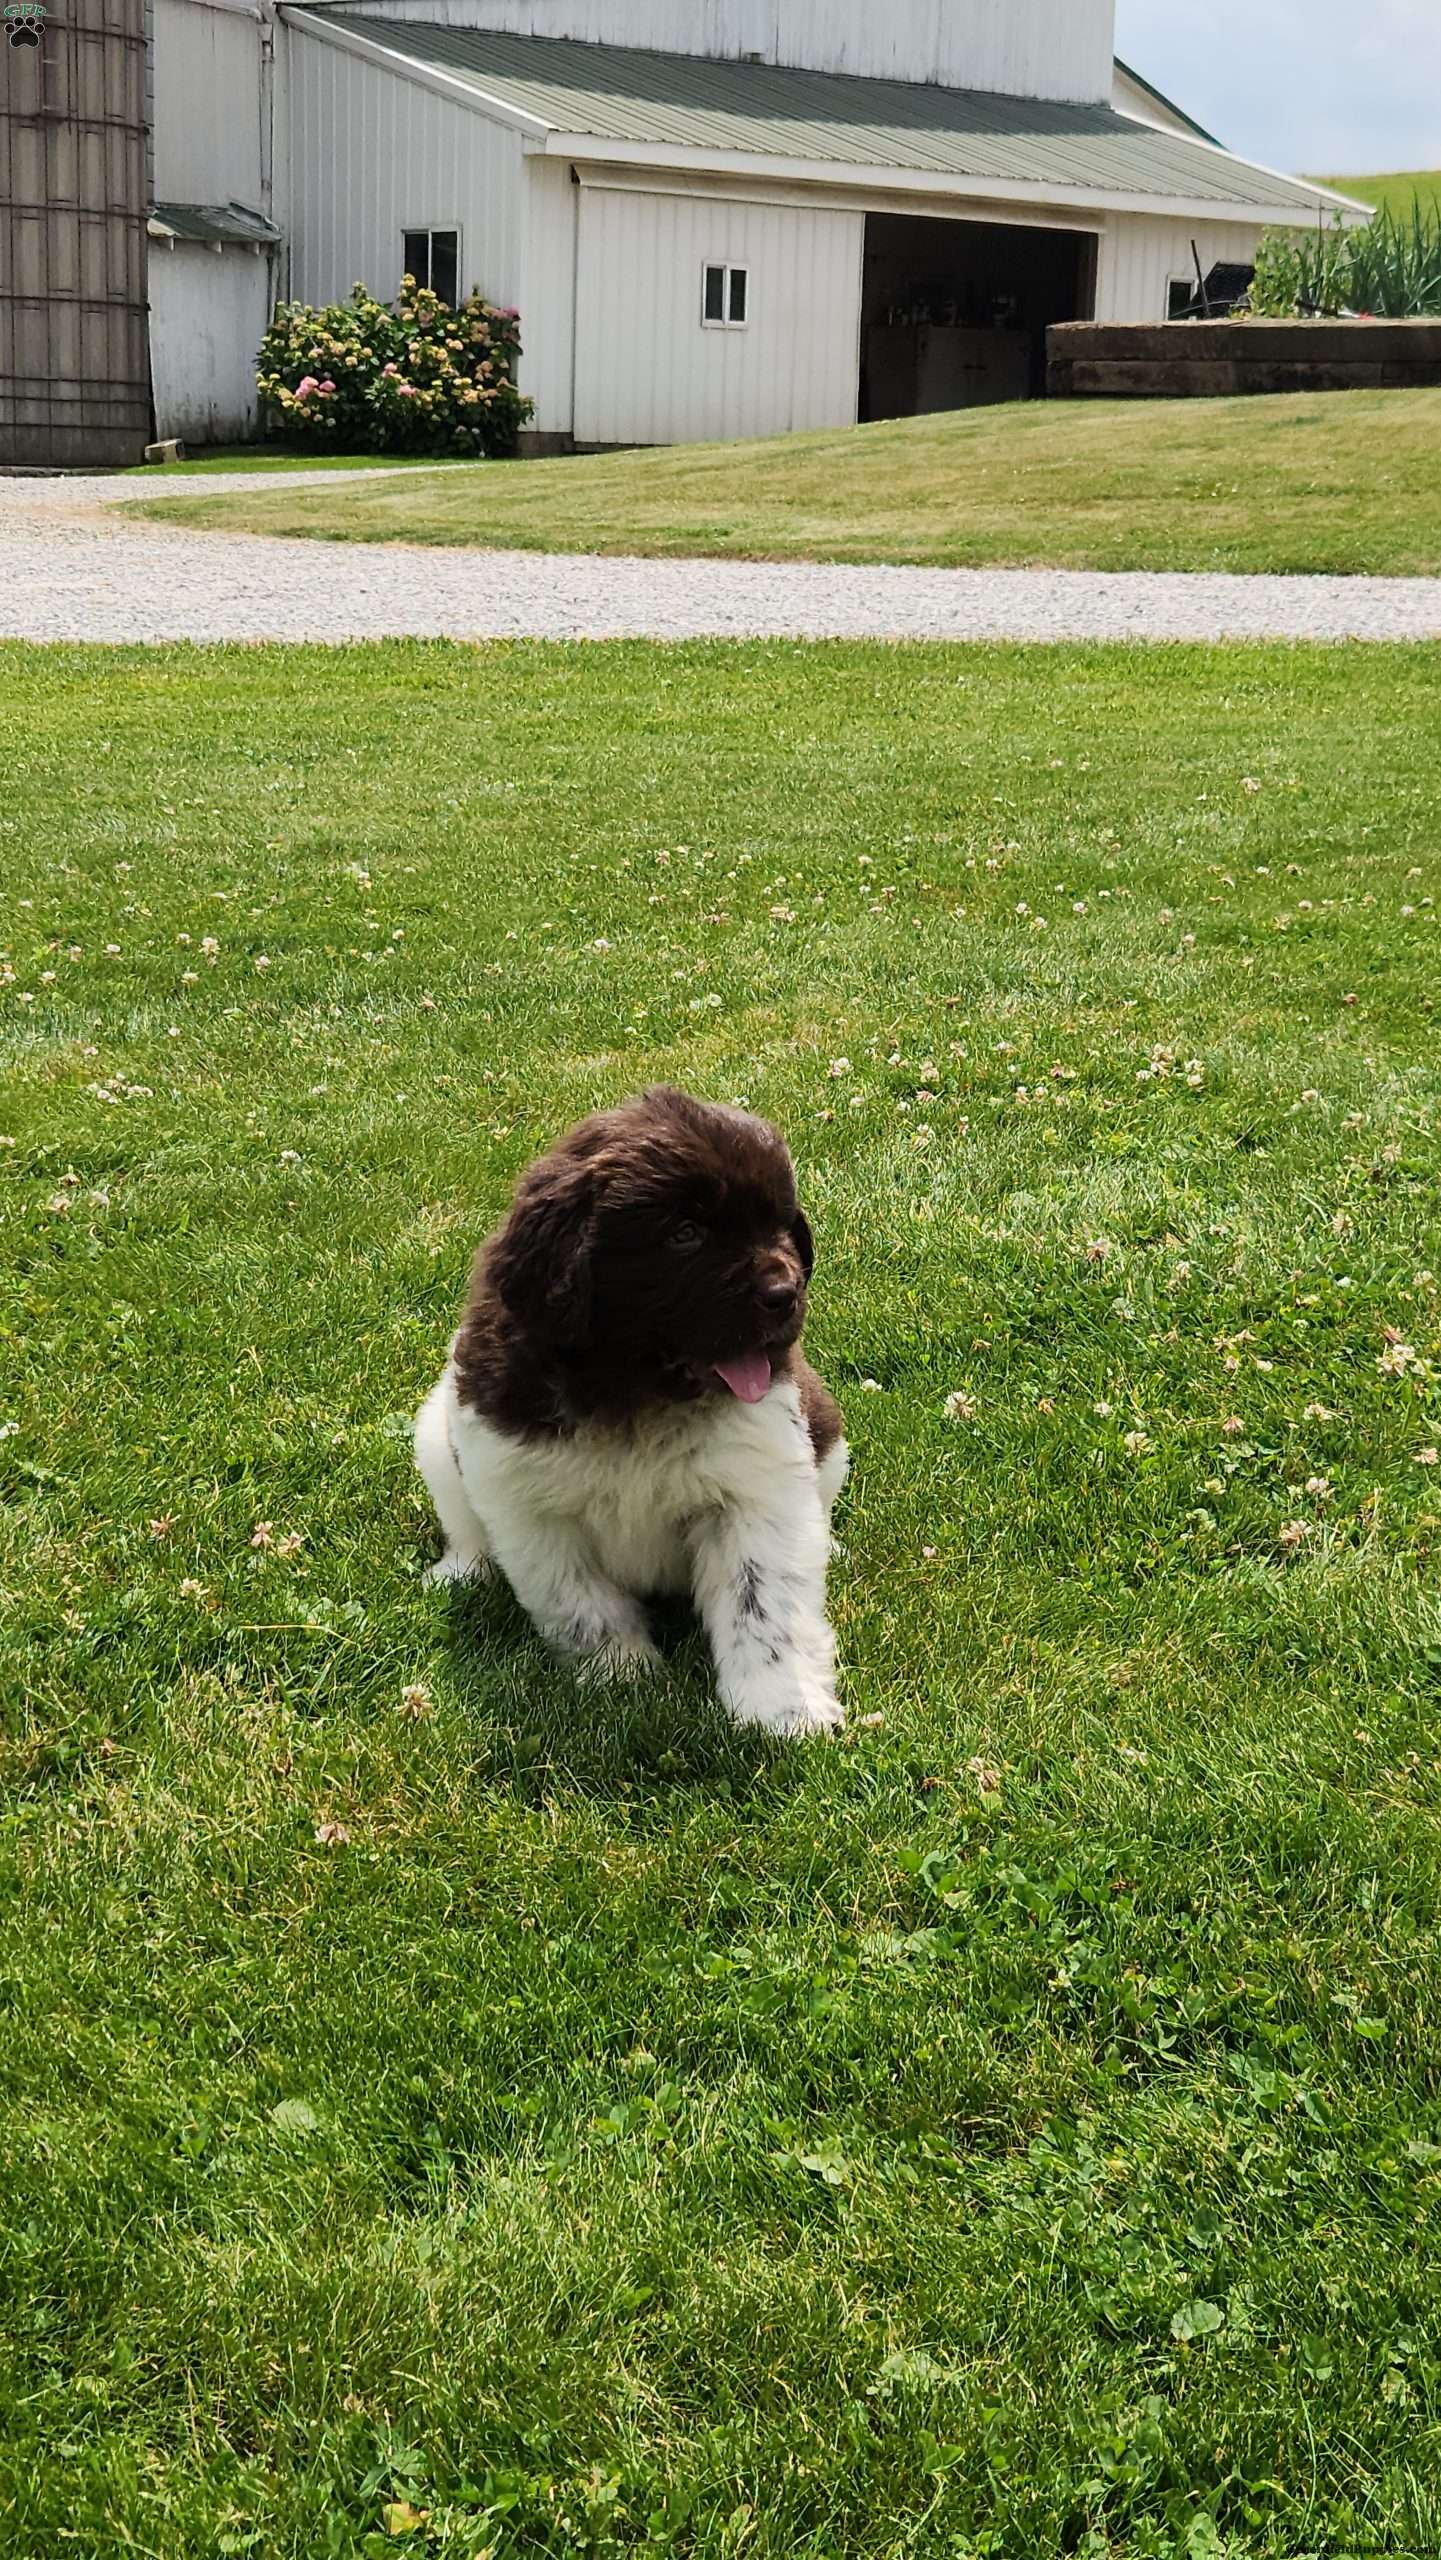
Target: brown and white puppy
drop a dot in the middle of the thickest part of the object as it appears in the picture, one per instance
(626, 1410)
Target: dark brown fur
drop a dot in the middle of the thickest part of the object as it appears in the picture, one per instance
(631, 1261)
(824, 1418)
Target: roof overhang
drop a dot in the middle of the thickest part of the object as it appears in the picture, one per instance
(213, 226)
(682, 160)
(543, 139)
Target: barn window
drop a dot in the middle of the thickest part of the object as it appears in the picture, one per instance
(725, 298)
(433, 258)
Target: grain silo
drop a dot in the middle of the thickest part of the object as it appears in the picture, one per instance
(74, 360)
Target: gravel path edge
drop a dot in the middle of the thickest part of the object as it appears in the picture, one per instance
(75, 566)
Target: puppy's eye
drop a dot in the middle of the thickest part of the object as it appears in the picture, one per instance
(685, 1236)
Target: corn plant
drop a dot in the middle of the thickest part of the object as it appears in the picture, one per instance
(1389, 271)
(1396, 263)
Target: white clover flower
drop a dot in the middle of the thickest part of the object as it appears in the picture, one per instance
(1397, 1358)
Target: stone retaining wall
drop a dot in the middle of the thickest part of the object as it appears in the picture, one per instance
(1212, 359)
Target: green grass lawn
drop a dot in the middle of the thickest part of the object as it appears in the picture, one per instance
(447, 2111)
(1342, 481)
(1399, 189)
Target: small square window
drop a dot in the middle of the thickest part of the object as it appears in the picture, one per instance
(433, 258)
(725, 297)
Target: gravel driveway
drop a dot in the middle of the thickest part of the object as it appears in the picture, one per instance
(72, 569)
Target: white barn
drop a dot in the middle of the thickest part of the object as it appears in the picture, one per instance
(216, 253)
(716, 217)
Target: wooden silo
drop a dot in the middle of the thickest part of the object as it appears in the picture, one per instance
(74, 358)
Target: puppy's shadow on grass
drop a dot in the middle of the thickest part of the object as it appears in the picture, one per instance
(542, 1726)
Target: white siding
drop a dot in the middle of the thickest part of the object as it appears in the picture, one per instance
(1028, 48)
(1129, 98)
(547, 294)
(208, 313)
(646, 370)
(1140, 254)
(372, 155)
(207, 103)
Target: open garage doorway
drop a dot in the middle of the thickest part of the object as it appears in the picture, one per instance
(954, 314)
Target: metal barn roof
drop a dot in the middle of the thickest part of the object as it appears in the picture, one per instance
(219, 226)
(618, 94)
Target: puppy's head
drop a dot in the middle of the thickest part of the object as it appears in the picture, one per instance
(662, 1244)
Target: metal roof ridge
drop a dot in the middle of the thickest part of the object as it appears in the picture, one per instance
(361, 13)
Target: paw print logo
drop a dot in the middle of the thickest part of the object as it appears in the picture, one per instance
(23, 22)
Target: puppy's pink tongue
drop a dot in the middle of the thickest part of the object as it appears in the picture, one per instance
(749, 1377)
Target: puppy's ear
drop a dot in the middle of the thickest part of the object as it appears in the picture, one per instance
(801, 1239)
(540, 1263)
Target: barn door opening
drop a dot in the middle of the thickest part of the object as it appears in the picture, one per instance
(954, 314)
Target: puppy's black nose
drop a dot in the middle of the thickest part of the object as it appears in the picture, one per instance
(778, 1296)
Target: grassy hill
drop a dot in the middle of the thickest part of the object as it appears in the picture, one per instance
(1344, 482)
(1398, 189)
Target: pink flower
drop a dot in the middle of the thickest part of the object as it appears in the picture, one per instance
(304, 388)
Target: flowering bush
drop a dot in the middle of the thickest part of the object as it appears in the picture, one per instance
(363, 377)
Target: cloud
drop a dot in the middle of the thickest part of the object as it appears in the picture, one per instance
(1302, 84)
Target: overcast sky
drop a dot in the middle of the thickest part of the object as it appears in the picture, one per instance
(1319, 85)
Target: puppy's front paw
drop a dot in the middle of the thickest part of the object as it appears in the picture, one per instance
(820, 1713)
(456, 1566)
(795, 1707)
(623, 1659)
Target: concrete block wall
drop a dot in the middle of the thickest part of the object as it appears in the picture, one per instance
(1216, 359)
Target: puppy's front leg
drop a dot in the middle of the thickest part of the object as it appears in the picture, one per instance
(467, 1552)
(554, 1576)
(760, 1586)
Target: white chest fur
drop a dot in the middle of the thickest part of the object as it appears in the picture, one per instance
(638, 1493)
(719, 1499)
